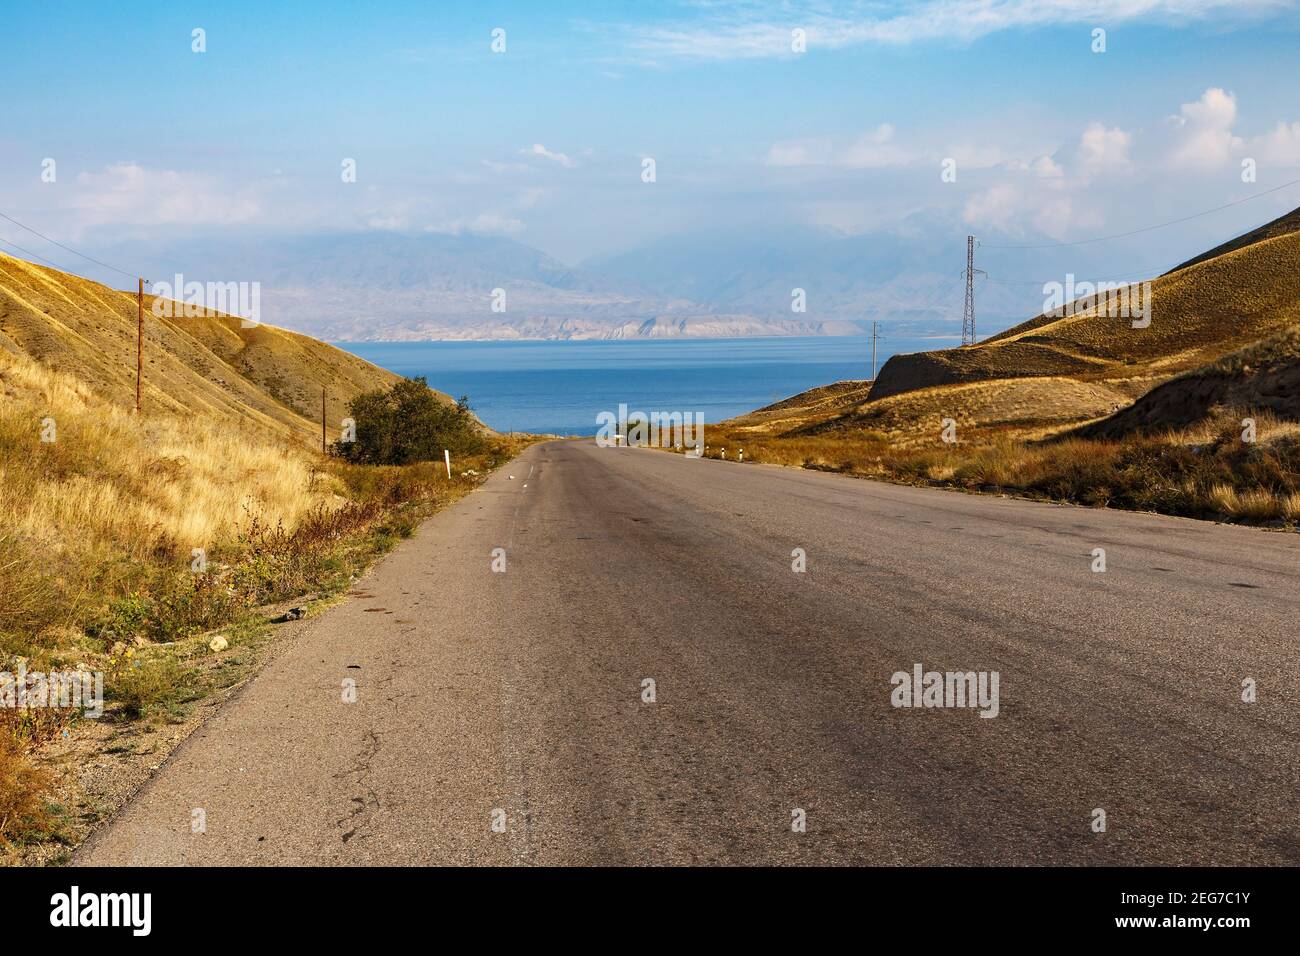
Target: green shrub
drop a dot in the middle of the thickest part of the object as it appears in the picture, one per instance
(148, 686)
(124, 618)
(409, 423)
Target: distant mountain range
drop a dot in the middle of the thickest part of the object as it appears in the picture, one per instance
(386, 286)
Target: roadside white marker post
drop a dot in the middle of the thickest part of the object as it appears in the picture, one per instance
(741, 457)
(446, 456)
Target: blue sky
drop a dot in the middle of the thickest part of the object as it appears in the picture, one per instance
(544, 142)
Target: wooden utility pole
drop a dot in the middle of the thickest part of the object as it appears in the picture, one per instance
(322, 420)
(139, 343)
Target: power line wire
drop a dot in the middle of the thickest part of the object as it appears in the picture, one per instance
(949, 289)
(28, 252)
(1110, 275)
(1163, 225)
(98, 262)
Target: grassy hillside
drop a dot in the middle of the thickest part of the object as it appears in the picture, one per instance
(1264, 377)
(208, 367)
(1037, 405)
(1028, 407)
(1199, 314)
(809, 407)
(93, 515)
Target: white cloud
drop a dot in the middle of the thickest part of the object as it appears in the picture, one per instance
(1280, 146)
(1205, 139)
(799, 153)
(1043, 167)
(979, 156)
(128, 193)
(1001, 206)
(1043, 204)
(876, 149)
(872, 150)
(1103, 149)
(497, 167)
(537, 149)
(747, 30)
(1050, 191)
(387, 222)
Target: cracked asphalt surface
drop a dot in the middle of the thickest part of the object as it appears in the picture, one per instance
(522, 691)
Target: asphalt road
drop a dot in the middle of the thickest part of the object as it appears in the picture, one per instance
(523, 692)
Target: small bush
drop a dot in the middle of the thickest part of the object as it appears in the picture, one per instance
(409, 423)
(124, 618)
(152, 686)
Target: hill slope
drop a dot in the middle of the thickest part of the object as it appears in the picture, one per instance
(208, 367)
(1054, 373)
(1199, 313)
(1262, 377)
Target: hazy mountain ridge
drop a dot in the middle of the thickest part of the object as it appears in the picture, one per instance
(394, 287)
(900, 276)
(376, 286)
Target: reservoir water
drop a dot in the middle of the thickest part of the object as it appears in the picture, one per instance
(560, 387)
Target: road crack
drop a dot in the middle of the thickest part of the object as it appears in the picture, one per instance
(364, 805)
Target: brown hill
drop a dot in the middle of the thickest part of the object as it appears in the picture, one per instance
(807, 409)
(1053, 373)
(1198, 314)
(207, 368)
(1262, 377)
(1029, 407)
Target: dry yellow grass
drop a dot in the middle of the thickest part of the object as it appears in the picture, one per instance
(1037, 406)
(93, 497)
(1030, 407)
(138, 486)
(227, 435)
(1255, 504)
(1264, 377)
(1206, 471)
(113, 500)
(22, 809)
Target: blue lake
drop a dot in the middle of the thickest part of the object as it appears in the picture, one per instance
(560, 387)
